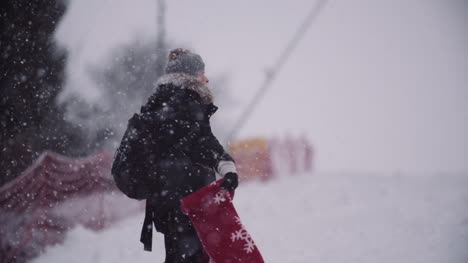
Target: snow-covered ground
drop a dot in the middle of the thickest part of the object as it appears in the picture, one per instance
(318, 218)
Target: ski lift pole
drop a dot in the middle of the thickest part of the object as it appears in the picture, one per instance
(271, 74)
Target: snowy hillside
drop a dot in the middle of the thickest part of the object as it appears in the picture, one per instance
(312, 218)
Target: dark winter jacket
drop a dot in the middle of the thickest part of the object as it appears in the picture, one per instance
(189, 154)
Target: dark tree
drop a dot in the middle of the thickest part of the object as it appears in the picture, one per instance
(31, 74)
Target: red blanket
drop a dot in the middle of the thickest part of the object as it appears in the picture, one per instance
(218, 225)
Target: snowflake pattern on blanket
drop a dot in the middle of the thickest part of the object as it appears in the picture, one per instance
(238, 235)
(243, 235)
(219, 227)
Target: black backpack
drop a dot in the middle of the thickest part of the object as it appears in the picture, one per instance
(134, 163)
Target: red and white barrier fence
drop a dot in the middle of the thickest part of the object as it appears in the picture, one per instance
(57, 193)
(54, 195)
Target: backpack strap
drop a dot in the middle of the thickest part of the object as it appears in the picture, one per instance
(146, 236)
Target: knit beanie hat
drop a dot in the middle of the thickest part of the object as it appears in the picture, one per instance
(184, 61)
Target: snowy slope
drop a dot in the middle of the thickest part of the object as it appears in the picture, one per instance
(312, 218)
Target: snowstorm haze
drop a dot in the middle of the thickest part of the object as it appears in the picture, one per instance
(377, 86)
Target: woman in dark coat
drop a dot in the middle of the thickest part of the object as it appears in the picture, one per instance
(189, 154)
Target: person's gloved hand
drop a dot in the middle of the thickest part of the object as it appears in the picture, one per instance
(231, 181)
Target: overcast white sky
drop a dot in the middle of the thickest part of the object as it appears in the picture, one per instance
(375, 85)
